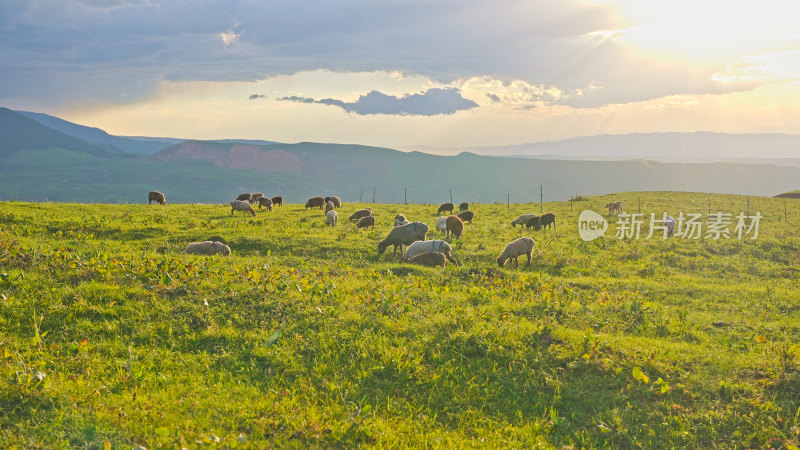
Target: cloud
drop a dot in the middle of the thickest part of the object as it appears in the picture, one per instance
(432, 102)
(257, 96)
(48, 49)
(494, 97)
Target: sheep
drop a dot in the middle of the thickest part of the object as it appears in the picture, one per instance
(337, 202)
(255, 196)
(315, 202)
(264, 201)
(670, 223)
(533, 222)
(441, 224)
(240, 205)
(207, 248)
(245, 197)
(329, 206)
(547, 219)
(463, 206)
(466, 216)
(277, 201)
(155, 196)
(359, 214)
(454, 226)
(331, 217)
(614, 208)
(515, 249)
(431, 259)
(435, 245)
(521, 220)
(365, 222)
(446, 207)
(400, 220)
(403, 235)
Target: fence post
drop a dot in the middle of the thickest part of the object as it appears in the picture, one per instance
(360, 196)
(748, 206)
(508, 202)
(405, 196)
(451, 196)
(373, 194)
(541, 199)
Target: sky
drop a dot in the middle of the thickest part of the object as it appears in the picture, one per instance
(411, 74)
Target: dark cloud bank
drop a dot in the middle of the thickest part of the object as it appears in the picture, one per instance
(432, 102)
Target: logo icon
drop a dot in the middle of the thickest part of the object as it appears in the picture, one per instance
(591, 225)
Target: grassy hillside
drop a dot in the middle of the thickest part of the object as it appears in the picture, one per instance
(306, 337)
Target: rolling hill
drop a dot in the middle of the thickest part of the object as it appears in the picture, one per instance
(40, 163)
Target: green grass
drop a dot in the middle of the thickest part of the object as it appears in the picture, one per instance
(305, 336)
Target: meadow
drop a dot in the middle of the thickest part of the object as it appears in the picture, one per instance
(306, 337)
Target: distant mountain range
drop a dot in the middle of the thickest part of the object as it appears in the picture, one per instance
(46, 158)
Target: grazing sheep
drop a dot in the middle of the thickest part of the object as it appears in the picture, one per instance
(208, 248)
(670, 223)
(403, 235)
(264, 201)
(245, 197)
(454, 226)
(400, 220)
(533, 222)
(277, 201)
(515, 249)
(329, 206)
(547, 219)
(359, 214)
(446, 207)
(254, 197)
(331, 217)
(435, 245)
(441, 224)
(522, 220)
(365, 222)
(240, 205)
(463, 206)
(432, 259)
(614, 208)
(466, 216)
(155, 196)
(337, 202)
(315, 202)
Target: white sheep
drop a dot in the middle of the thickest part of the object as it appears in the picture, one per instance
(207, 248)
(515, 249)
(240, 205)
(522, 220)
(400, 220)
(670, 223)
(434, 245)
(331, 217)
(441, 224)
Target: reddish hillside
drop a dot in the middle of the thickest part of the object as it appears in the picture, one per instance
(237, 156)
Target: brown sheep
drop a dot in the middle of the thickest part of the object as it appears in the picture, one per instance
(446, 207)
(244, 197)
(315, 202)
(430, 259)
(329, 206)
(359, 214)
(400, 220)
(454, 226)
(614, 208)
(463, 206)
(155, 196)
(277, 201)
(547, 219)
(254, 197)
(264, 201)
(365, 222)
(533, 222)
(337, 202)
(466, 216)
(241, 205)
